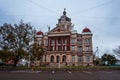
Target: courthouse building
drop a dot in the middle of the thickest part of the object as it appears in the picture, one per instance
(64, 46)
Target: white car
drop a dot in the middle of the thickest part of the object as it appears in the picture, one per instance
(22, 62)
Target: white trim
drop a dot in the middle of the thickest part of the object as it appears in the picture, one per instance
(59, 35)
(39, 36)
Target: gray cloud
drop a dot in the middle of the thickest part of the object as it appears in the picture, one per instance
(101, 16)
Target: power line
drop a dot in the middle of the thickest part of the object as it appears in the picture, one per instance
(91, 8)
(43, 7)
(102, 17)
(94, 7)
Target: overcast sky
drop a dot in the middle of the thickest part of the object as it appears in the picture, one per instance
(101, 16)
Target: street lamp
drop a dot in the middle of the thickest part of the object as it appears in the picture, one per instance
(29, 56)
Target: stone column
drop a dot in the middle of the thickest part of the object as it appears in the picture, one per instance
(60, 58)
(54, 58)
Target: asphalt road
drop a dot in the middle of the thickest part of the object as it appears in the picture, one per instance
(59, 75)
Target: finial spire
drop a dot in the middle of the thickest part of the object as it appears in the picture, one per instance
(64, 9)
(48, 28)
(64, 12)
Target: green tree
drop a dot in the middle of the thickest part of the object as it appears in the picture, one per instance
(17, 38)
(108, 59)
(6, 55)
(37, 51)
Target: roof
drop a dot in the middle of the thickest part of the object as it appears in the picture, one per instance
(86, 30)
(39, 33)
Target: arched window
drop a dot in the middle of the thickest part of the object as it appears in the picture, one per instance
(52, 59)
(64, 58)
(57, 59)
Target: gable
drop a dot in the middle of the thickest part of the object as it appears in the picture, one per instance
(57, 30)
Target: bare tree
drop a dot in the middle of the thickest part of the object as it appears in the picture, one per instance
(117, 51)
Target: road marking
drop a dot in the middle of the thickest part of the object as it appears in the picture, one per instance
(87, 72)
(69, 72)
(27, 71)
(53, 72)
(107, 72)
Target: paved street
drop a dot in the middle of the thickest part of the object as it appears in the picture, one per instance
(60, 75)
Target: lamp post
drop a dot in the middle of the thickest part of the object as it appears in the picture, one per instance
(59, 65)
(29, 61)
(29, 56)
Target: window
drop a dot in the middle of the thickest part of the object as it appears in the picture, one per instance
(59, 48)
(79, 49)
(59, 41)
(68, 41)
(63, 48)
(51, 48)
(79, 58)
(87, 41)
(72, 41)
(53, 41)
(87, 58)
(63, 41)
(56, 48)
(46, 41)
(52, 59)
(56, 41)
(68, 48)
(79, 41)
(87, 48)
(64, 58)
(73, 58)
(72, 48)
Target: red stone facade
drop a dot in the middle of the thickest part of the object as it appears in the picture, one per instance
(65, 47)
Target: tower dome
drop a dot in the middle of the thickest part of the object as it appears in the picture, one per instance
(86, 30)
(64, 17)
(39, 33)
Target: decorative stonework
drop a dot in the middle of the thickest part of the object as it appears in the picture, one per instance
(66, 47)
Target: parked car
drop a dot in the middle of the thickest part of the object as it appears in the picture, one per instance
(2, 64)
(22, 62)
(10, 63)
